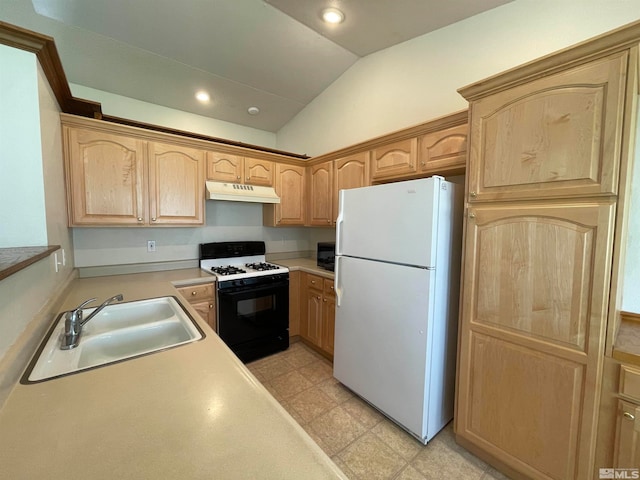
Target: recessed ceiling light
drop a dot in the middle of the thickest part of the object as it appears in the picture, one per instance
(332, 15)
(202, 96)
(253, 110)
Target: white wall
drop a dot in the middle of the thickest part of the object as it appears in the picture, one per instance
(22, 210)
(631, 283)
(25, 293)
(417, 80)
(225, 221)
(129, 108)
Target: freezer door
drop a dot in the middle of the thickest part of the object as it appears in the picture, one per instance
(394, 223)
(382, 337)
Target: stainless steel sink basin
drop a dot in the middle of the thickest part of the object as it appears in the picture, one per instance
(119, 332)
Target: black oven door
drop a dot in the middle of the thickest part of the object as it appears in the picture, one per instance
(253, 320)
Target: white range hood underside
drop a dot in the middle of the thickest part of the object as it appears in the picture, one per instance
(236, 192)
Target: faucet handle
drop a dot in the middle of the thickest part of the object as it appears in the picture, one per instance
(75, 316)
(85, 303)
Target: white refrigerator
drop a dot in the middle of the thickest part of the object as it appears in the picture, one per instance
(397, 275)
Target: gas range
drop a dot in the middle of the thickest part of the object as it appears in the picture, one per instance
(237, 261)
(252, 298)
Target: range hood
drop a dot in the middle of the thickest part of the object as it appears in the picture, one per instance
(236, 192)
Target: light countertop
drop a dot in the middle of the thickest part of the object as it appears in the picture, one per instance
(189, 412)
(305, 265)
(627, 345)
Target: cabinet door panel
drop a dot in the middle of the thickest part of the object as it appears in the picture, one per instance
(106, 177)
(290, 187)
(627, 449)
(534, 308)
(350, 172)
(443, 151)
(525, 404)
(258, 172)
(176, 180)
(559, 135)
(313, 328)
(398, 158)
(222, 167)
(320, 193)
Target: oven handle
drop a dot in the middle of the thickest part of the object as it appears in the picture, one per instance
(253, 289)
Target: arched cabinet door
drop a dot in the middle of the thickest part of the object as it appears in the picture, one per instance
(533, 321)
(560, 135)
(105, 178)
(176, 189)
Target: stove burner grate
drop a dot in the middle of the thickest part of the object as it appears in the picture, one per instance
(262, 266)
(227, 270)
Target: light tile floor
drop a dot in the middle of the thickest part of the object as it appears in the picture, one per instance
(360, 440)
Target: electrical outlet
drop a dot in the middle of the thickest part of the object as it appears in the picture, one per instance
(151, 246)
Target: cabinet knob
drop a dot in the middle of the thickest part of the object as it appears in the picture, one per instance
(313, 282)
(472, 215)
(153, 219)
(210, 306)
(328, 221)
(139, 219)
(324, 299)
(194, 293)
(247, 179)
(423, 163)
(628, 415)
(331, 287)
(473, 194)
(238, 177)
(318, 297)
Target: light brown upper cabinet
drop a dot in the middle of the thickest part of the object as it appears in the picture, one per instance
(349, 172)
(222, 167)
(555, 136)
(290, 187)
(394, 159)
(115, 179)
(321, 194)
(443, 151)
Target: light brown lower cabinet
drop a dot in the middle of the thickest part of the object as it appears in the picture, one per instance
(317, 313)
(202, 298)
(627, 448)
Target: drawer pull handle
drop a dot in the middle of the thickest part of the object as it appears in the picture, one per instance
(628, 415)
(194, 293)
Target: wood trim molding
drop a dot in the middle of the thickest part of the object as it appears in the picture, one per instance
(197, 136)
(447, 121)
(45, 50)
(201, 142)
(13, 260)
(601, 46)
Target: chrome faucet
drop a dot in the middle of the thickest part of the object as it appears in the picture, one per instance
(74, 322)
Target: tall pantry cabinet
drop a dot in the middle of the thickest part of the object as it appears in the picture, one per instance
(549, 149)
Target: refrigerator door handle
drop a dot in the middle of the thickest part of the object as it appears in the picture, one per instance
(339, 222)
(337, 282)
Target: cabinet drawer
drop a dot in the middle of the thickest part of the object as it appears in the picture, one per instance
(630, 382)
(329, 290)
(314, 281)
(197, 293)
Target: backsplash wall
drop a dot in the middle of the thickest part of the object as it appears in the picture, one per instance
(225, 221)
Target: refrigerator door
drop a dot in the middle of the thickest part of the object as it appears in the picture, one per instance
(393, 223)
(382, 337)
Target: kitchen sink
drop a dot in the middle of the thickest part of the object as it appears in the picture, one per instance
(119, 332)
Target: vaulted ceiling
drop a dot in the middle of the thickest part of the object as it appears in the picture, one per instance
(276, 55)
